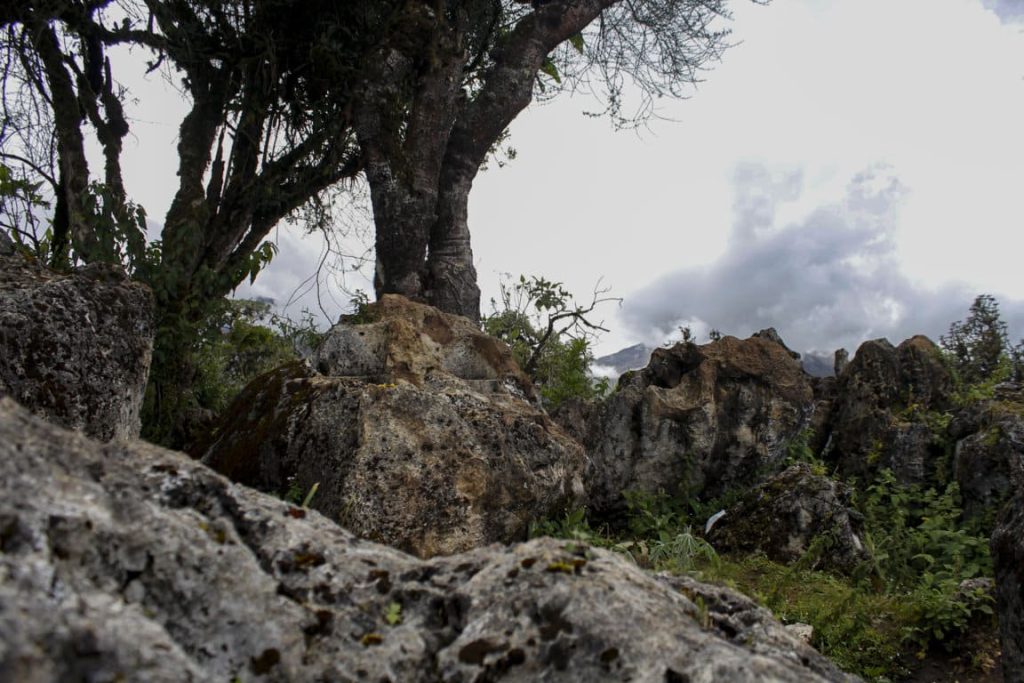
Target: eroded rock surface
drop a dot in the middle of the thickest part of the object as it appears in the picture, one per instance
(879, 400)
(420, 437)
(76, 348)
(1008, 556)
(791, 514)
(989, 452)
(697, 419)
(129, 562)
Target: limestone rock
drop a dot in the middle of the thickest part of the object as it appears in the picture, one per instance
(698, 419)
(791, 513)
(771, 334)
(406, 453)
(129, 562)
(984, 462)
(879, 395)
(1008, 556)
(841, 360)
(413, 342)
(76, 348)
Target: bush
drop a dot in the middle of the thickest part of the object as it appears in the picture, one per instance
(550, 337)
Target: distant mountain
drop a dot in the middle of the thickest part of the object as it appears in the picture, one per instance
(818, 364)
(637, 356)
(629, 358)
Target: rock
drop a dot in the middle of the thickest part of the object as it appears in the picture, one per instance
(129, 562)
(804, 632)
(792, 513)
(76, 348)
(876, 419)
(7, 247)
(1008, 556)
(413, 342)
(984, 462)
(772, 335)
(924, 378)
(841, 360)
(697, 420)
(406, 453)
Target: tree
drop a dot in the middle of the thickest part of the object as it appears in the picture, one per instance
(979, 344)
(440, 100)
(289, 98)
(550, 335)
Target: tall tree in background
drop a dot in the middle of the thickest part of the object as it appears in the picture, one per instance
(289, 98)
(442, 98)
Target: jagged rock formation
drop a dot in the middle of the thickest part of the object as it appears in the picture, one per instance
(76, 348)
(129, 562)
(697, 419)
(873, 422)
(420, 435)
(1008, 555)
(989, 439)
(790, 514)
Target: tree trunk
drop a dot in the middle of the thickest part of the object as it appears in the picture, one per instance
(451, 284)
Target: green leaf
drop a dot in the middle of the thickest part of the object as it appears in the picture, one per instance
(577, 42)
(550, 69)
(393, 614)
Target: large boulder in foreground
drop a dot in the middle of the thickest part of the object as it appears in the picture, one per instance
(1008, 557)
(697, 419)
(792, 514)
(877, 418)
(406, 452)
(149, 566)
(76, 348)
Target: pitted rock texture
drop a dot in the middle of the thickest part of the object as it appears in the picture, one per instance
(422, 459)
(698, 420)
(408, 341)
(989, 453)
(1008, 556)
(76, 348)
(129, 562)
(879, 397)
(791, 514)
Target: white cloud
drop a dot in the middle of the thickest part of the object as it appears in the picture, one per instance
(830, 280)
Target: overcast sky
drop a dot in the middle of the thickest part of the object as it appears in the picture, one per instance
(852, 169)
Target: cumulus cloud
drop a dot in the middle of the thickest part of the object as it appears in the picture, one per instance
(826, 280)
(1011, 11)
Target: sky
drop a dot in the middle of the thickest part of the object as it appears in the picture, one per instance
(852, 169)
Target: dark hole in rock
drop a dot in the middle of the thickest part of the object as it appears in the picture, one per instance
(265, 662)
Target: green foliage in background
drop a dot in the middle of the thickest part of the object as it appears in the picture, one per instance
(550, 336)
(237, 341)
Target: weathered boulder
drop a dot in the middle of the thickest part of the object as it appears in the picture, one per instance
(792, 513)
(985, 460)
(876, 414)
(1008, 556)
(76, 348)
(404, 451)
(697, 419)
(404, 340)
(129, 562)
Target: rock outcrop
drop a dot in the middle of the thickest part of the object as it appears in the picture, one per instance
(418, 429)
(129, 562)
(791, 514)
(697, 419)
(878, 397)
(1008, 557)
(989, 451)
(76, 348)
